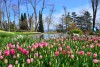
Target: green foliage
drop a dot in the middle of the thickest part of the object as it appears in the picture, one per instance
(4, 34)
(91, 33)
(60, 28)
(98, 33)
(72, 26)
(40, 28)
(77, 31)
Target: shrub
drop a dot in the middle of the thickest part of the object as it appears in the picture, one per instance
(77, 31)
(91, 33)
(98, 33)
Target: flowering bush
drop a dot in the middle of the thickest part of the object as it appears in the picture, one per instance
(55, 52)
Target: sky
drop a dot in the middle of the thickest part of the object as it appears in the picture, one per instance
(72, 6)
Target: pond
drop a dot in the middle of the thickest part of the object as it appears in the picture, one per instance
(47, 36)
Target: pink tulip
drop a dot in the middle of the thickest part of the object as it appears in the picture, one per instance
(95, 55)
(0, 52)
(63, 51)
(98, 45)
(89, 53)
(41, 45)
(60, 48)
(34, 46)
(32, 60)
(45, 44)
(20, 49)
(17, 43)
(25, 52)
(14, 56)
(29, 47)
(83, 47)
(68, 47)
(40, 57)
(56, 53)
(63, 45)
(28, 61)
(95, 41)
(95, 61)
(91, 46)
(12, 51)
(10, 65)
(9, 45)
(16, 62)
(72, 56)
(81, 53)
(7, 53)
(68, 52)
(36, 54)
(1, 57)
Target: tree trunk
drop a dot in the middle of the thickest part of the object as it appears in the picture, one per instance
(93, 23)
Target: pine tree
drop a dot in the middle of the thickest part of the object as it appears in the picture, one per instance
(25, 22)
(23, 25)
(40, 28)
(22, 19)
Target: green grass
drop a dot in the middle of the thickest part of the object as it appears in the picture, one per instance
(11, 34)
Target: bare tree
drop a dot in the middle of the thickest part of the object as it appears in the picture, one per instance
(15, 10)
(43, 5)
(65, 11)
(95, 5)
(34, 4)
(19, 2)
(49, 19)
(31, 23)
(1, 13)
(7, 6)
(0, 19)
(26, 2)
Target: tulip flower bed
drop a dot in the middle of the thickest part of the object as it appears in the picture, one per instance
(55, 52)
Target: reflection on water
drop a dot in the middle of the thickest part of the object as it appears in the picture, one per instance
(47, 36)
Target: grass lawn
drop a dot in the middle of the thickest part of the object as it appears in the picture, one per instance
(6, 33)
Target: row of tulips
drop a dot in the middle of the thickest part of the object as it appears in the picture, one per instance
(55, 52)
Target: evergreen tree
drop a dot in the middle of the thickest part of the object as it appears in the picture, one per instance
(84, 21)
(68, 19)
(22, 19)
(23, 24)
(87, 20)
(74, 16)
(40, 28)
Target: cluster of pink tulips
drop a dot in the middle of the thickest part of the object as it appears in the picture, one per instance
(55, 52)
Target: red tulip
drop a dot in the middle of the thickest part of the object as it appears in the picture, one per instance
(13, 52)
